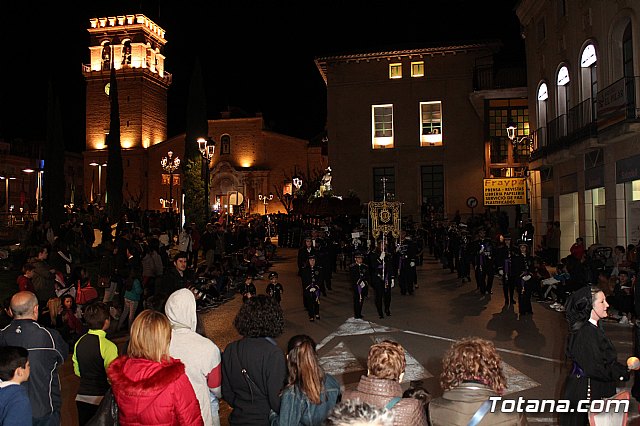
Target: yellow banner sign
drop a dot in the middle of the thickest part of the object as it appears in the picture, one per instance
(505, 192)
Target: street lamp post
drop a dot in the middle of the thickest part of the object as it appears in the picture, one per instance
(265, 200)
(38, 189)
(207, 148)
(170, 164)
(99, 166)
(6, 179)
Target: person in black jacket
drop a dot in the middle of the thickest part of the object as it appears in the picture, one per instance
(47, 352)
(596, 370)
(521, 275)
(303, 254)
(381, 266)
(359, 274)
(254, 368)
(312, 276)
(174, 278)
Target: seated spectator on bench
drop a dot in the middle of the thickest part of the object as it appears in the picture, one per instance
(622, 298)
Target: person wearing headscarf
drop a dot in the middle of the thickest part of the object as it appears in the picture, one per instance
(596, 370)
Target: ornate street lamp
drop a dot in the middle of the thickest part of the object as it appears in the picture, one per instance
(297, 182)
(207, 148)
(511, 133)
(265, 200)
(99, 166)
(170, 164)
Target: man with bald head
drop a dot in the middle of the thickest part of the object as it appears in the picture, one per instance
(47, 351)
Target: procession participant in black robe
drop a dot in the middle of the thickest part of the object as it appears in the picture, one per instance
(359, 274)
(311, 279)
(596, 370)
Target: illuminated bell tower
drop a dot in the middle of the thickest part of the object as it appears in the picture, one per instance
(133, 45)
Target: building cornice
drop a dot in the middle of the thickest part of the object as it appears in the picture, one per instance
(321, 62)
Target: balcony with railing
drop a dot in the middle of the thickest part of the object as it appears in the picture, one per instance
(491, 76)
(615, 105)
(167, 77)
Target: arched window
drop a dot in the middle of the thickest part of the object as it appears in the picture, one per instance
(126, 52)
(589, 76)
(562, 99)
(225, 145)
(106, 55)
(541, 116)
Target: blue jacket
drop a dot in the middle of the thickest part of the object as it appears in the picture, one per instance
(296, 409)
(15, 408)
(136, 291)
(47, 351)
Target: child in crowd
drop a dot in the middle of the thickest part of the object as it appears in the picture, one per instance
(249, 288)
(132, 295)
(67, 321)
(15, 407)
(24, 280)
(274, 288)
(92, 355)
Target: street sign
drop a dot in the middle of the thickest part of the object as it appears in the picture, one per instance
(472, 202)
(505, 191)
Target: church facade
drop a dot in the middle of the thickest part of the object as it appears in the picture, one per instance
(249, 160)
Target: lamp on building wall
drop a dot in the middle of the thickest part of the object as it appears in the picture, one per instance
(511, 133)
(207, 148)
(265, 200)
(170, 164)
(6, 179)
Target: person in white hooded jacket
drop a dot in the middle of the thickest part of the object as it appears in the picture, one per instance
(199, 354)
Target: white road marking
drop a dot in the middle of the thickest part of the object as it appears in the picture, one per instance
(355, 327)
(509, 351)
(340, 360)
(516, 380)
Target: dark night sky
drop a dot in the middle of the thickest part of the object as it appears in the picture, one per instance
(257, 56)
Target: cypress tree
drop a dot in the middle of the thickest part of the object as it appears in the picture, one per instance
(114, 155)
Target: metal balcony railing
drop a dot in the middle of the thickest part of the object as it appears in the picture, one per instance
(86, 69)
(580, 117)
(557, 130)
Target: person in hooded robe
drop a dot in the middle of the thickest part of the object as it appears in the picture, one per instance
(595, 372)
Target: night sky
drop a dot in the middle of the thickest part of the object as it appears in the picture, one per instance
(256, 56)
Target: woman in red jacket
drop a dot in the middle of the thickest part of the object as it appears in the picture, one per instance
(150, 387)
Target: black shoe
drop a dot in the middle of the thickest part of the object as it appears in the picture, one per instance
(311, 319)
(358, 316)
(381, 316)
(317, 316)
(388, 313)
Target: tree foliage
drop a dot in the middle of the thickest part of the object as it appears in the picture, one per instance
(192, 167)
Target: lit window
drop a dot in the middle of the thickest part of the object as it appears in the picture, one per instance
(417, 69)
(382, 122)
(395, 70)
(563, 76)
(543, 94)
(588, 56)
(431, 123)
